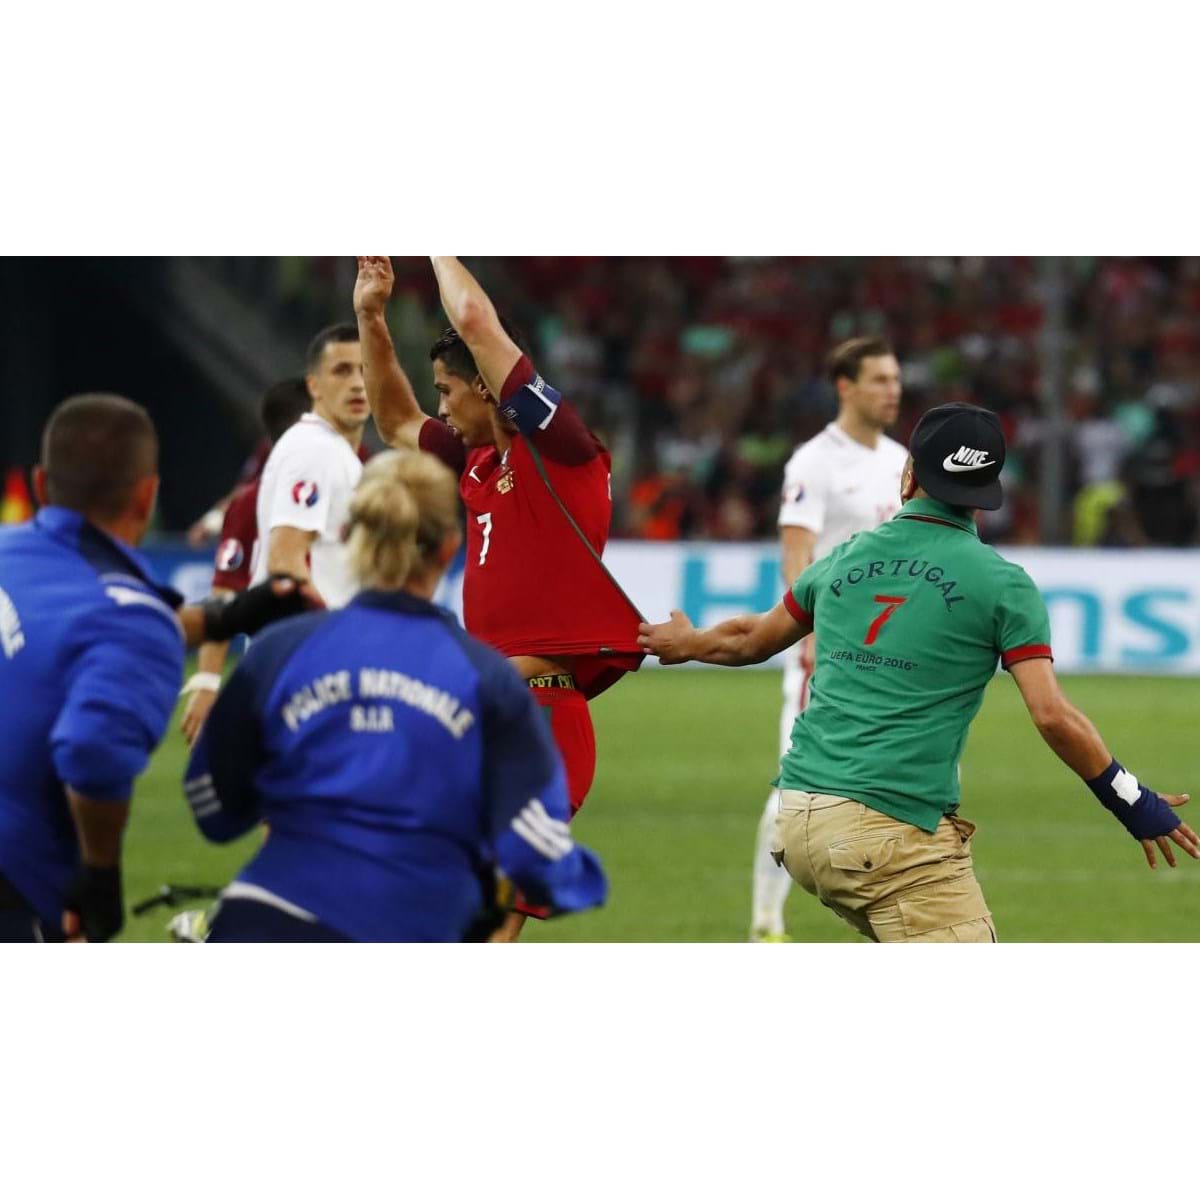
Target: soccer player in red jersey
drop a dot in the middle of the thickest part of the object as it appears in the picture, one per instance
(534, 588)
(283, 404)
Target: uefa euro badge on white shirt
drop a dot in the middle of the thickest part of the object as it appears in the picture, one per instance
(307, 484)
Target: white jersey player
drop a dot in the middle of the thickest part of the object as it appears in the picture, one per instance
(841, 482)
(307, 482)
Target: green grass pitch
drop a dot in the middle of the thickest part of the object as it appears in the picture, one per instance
(685, 758)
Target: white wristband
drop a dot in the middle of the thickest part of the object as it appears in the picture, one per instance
(202, 681)
(213, 521)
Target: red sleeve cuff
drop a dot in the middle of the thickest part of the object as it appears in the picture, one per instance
(233, 581)
(1021, 653)
(521, 374)
(797, 613)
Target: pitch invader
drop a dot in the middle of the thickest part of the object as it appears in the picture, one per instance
(843, 481)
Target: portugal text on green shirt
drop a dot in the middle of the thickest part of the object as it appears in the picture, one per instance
(910, 620)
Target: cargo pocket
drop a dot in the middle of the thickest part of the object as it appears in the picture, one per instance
(863, 854)
(931, 916)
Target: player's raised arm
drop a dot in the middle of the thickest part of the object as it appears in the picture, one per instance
(1147, 815)
(734, 643)
(398, 415)
(474, 317)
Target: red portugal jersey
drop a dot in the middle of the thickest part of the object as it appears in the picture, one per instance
(531, 585)
(235, 550)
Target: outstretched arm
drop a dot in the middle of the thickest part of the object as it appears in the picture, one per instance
(1145, 814)
(201, 690)
(219, 619)
(735, 643)
(398, 416)
(474, 317)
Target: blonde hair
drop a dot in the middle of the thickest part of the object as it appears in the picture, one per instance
(403, 508)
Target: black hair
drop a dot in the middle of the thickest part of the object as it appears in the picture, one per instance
(335, 334)
(95, 448)
(283, 404)
(452, 350)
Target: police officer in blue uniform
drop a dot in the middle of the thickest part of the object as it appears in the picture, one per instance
(91, 654)
(398, 764)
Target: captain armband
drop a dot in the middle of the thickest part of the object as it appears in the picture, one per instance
(532, 406)
(1142, 811)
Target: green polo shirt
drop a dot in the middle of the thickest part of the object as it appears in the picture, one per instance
(910, 619)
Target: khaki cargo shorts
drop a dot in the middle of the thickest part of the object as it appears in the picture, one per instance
(892, 881)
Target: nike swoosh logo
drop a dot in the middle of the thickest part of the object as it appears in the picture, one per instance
(949, 464)
(475, 477)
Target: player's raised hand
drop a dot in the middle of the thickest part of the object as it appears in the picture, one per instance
(1183, 836)
(668, 640)
(373, 285)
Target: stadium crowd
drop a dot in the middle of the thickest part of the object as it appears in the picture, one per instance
(703, 373)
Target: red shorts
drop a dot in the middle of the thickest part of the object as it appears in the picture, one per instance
(571, 727)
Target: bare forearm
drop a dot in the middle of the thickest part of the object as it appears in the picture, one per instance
(796, 546)
(1077, 742)
(389, 392)
(287, 552)
(191, 620)
(729, 644)
(793, 564)
(100, 826)
(211, 655)
(466, 303)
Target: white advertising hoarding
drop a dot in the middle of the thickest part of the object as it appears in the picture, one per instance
(1129, 611)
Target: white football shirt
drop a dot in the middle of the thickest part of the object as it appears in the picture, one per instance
(837, 487)
(307, 484)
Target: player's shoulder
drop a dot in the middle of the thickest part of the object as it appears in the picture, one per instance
(131, 612)
(861, 541)
(126, 597)
(300, 434)
(820, 443)
(243, 505)
(312, 436)
(813, 453)
(1004, 570)
(893, 449)
(1001, 575)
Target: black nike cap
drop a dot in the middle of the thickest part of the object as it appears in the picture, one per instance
(958, 452)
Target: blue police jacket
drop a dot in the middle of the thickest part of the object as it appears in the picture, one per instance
(91, 657)
(395, 760)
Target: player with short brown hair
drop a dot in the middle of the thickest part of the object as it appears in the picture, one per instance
(842, 481)
(283, 404)
(536, 484)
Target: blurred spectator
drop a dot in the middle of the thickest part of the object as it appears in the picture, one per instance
(1163, 475)
(711, 368)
